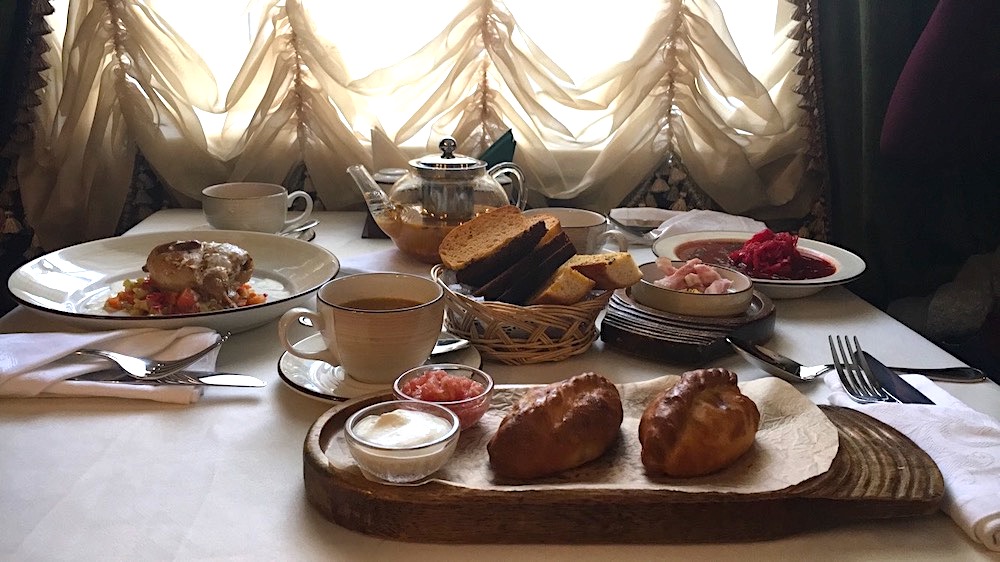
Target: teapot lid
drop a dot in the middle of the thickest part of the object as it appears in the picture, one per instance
(448, 160)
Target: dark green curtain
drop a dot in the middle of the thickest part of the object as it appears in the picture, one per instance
(13, 33)
(917, 222)
(12, 18)
(863, 47)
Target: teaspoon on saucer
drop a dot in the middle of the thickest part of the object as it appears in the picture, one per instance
(299, 229)
(447, 343)
(780, 366)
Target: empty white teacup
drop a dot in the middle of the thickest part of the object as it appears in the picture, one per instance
(260, 207)
(376, 326)
(587, 230)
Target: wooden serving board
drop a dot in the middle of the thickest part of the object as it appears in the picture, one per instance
(877, 473)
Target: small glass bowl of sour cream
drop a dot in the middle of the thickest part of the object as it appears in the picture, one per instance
(401, 441)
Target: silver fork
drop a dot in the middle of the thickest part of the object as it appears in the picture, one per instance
(854, 374)
(145, 369)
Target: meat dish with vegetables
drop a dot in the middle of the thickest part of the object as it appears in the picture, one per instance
(189, 276)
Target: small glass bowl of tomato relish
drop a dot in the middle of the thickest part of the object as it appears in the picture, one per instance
(465, 390)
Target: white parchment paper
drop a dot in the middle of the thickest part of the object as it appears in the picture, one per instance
(795, 442)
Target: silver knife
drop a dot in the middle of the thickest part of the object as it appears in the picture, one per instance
(893, 383)
(188, 378)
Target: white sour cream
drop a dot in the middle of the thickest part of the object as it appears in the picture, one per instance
(401, 428)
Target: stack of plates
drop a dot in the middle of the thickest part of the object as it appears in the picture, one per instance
(662, 336)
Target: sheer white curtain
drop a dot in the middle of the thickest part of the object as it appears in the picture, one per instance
(596, 93)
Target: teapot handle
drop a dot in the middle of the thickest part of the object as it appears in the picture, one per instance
(516, 195)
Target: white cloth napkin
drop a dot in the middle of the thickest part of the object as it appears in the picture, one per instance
(963, 442)
(38, 364)
(672, 223)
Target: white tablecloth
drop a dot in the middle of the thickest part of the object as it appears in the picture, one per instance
(93, 478)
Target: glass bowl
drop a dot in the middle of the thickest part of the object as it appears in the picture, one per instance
(410, 441)
(446, 390)
(686, 303)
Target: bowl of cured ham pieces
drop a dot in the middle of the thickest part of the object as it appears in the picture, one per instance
(693, 288)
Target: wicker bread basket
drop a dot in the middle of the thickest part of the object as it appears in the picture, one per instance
(518, 335)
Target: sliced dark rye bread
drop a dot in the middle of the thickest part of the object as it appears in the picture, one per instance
(482, 248)
(481, 236)
(521, 290)
(522, 268)
(552, 226)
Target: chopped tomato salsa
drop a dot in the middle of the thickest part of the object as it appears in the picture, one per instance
(141, 297)
(438, 386)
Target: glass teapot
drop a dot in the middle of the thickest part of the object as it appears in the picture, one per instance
(437, 194)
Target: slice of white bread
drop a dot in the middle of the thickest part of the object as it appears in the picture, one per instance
(611, 270)
(566, 286)
(483, 247)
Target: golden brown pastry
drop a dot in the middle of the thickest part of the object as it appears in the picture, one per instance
(700, 426)
(557, 427)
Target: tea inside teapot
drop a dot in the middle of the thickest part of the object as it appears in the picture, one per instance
(417, 233)
(439, 193)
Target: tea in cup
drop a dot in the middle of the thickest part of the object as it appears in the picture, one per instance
(260, 207)
(587, 230)
(375, 325)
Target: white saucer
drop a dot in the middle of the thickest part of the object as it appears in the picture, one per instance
(323, 381)
(306, 235)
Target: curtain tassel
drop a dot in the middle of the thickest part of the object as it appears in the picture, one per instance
(10, 224)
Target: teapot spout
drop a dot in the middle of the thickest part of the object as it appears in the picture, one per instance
(377, 199)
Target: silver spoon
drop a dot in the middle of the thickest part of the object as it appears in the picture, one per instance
(639, 231)
(447, 343)
(298, 229)
(780, 366)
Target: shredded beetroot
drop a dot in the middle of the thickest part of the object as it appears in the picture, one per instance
(768, 255)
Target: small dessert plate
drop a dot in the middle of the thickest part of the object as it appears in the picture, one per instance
(323, 381)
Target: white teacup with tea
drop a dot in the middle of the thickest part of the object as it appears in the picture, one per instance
(374, 325)
(587, 230)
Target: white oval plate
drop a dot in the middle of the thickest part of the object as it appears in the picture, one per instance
(323, 381)
(848, 265)
(72, 284)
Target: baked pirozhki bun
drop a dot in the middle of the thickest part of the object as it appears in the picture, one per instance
(557, 427)
(700, 426)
